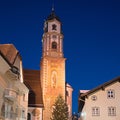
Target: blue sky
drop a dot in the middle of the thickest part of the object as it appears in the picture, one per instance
(91, 31)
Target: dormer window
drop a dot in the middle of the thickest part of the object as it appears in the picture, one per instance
(54, 45)
(54, 27)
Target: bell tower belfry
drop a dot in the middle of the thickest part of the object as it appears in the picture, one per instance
(52, 64)
(52, 37)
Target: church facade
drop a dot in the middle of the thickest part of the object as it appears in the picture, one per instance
(46, 84)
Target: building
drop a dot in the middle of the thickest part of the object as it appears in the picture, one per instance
(50, 79)
(102, 102)
(13, 92)
(69, 90)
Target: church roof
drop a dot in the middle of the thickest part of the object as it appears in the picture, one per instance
(9, 52)
(32, 81)
(53, 16)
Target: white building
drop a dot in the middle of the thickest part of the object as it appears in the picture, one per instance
(13, 92)
(102, 102)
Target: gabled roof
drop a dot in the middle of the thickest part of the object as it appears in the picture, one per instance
(103, 86)
(84, 94)
(32, 81)
(9, 52)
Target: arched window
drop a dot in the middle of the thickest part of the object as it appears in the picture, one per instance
(54, 27)
(54, 45)
(29, 116)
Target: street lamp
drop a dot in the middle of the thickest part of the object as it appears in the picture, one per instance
(82, 114)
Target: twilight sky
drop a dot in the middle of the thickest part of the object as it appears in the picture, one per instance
(91, 31)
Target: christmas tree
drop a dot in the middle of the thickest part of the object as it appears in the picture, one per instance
(60, 109)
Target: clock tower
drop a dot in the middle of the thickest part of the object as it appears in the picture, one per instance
(52, 73)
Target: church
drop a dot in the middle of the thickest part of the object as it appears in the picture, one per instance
(46, 84)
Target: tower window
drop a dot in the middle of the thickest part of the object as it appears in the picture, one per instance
(54, 45)
(54, 27)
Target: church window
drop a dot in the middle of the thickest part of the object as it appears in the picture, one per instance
(54, 45)
(54, 27)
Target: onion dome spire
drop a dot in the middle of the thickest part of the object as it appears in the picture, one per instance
(53, 15)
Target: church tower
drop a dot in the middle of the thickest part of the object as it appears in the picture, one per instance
(52, 73)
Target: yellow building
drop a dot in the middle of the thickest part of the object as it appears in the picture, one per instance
(13, 92)
(50, 80)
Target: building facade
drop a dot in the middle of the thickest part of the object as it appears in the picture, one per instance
(102, 102)
(13, 92)
(69, 91)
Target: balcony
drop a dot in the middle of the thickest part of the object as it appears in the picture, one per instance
(10, 94)
(10, 115)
